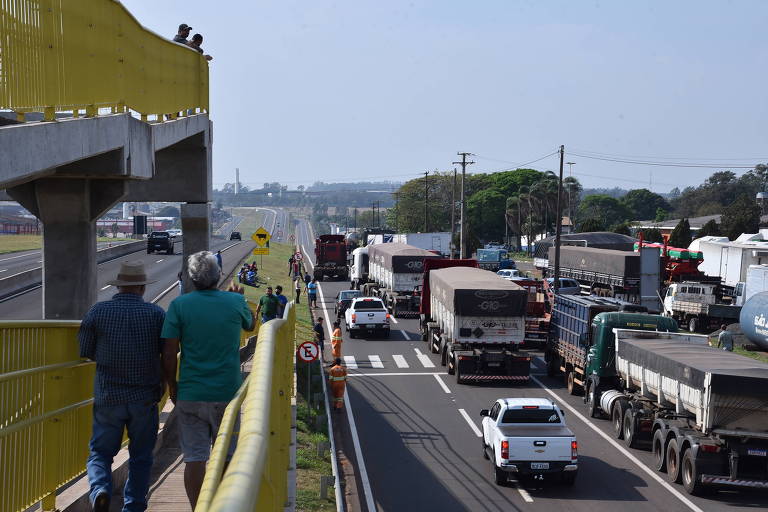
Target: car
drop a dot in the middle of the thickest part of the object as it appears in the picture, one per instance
(343, 300)
(175, 233)
(567, 286)
(366, 315)
(235, 235)
(160, 241)
(528, 438)
(510, 274)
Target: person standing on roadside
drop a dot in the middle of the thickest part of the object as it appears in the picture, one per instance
(319, 329)
(290, 265)
(122, 336)
(725, 339)
(267, 307)
(206, 323)
(337, 375)
(282, 301)
(336, 340)
(219, 260)
(297, 288)
(312, 293)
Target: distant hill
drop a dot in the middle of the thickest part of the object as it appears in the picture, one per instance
(320, 186)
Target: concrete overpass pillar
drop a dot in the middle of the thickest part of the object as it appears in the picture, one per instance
(68, 209)
(196, 233)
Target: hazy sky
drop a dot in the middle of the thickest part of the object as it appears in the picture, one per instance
(368, 90)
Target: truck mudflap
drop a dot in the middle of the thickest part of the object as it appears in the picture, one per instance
(482, 377)
(733, 482)
(405, 306)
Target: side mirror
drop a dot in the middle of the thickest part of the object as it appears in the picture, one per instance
(562, 412)
(484, 412)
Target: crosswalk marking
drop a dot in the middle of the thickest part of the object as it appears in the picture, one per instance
(376, 361)
(400, 361)
(424, 359)
(349, 362)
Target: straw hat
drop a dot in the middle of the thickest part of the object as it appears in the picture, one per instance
(131, 273)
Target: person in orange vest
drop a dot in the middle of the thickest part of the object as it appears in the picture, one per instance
(338, 377)
(336, 340)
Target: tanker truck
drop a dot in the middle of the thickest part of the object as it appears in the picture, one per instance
(476, 321)
(395, 273)
(754, 319)
(701, 410)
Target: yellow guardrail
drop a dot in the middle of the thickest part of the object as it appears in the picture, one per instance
(88, 54)
(256, 477)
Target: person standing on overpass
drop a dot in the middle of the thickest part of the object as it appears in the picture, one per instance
(123, 336)
(206, 323)
(337, 375)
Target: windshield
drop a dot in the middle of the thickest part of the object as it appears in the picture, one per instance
(349, 295)
(159, 234)
(369, 305)
(487, 255)
(530, 416)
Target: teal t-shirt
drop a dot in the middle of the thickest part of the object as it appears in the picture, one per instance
(208, 323)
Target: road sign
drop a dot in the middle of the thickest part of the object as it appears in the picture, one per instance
(292, 238)
(308, 351)
(261, 251)
(261, 236)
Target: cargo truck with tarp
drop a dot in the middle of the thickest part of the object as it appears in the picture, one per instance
(701, 410)
(476, 323)
(395, 273)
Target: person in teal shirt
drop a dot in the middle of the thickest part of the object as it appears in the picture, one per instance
(312, 293)
(206, 324)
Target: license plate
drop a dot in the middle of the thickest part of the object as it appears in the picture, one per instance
(757, 453)
(494, 364)
(539, 465)
(370, 326)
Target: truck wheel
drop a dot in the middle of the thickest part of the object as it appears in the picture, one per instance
(691, 474)
(592, 408)
(485, 451)
(499, 476)
(693, 324)
(568, 477)
(570, 381)
(444, 357)
(459, 379)
(432, 346)
(658, 450)
(617, 417)
(673, 461)
(630, 432)
(149, 251)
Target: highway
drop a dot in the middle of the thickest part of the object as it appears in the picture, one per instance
(14, 262)
(416, 435)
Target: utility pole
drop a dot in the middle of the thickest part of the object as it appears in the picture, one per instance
(462, 242)
(453, 216)
(426, 203)
(558, 228)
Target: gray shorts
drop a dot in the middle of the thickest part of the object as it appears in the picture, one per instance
(198, 426)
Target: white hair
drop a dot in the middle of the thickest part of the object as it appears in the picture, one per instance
(203, 270)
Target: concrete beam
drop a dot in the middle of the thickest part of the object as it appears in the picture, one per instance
(196, 226)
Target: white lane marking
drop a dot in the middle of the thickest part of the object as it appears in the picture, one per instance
(4, 270)
(623, 450)
(375, 361)
(471, 423)
(105, 287)
(349, 362)
(394, 320)
(442, 384)
(161, 259)
(164, 292)
(16, 257)
(400, 361)
(39, 261)
(424, 359)
(523, 493)
(394, 374)
(405, 334)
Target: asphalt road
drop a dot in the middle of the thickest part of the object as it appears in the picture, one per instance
(419, 437)
(15, 262)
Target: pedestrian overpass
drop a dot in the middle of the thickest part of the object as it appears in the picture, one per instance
(96, 110)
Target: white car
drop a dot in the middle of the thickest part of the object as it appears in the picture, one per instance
(366, 315)
(527, 437)
(510, 274)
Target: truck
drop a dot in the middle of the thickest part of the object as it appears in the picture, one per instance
(699, 306)
(700, 410)
(395, 273)
(160, 241)
(476, 322)
(331, 257)
(358, 270)
(438, 241)
(571, 335)
(366, 315)
(753, 320)
(494, 259)
(527, 437)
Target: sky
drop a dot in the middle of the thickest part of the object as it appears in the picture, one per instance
(359, 90)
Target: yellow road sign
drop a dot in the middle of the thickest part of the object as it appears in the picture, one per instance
(264, 251)
(261, 236)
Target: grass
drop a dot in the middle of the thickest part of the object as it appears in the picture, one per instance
(760, 356)
(252, 220)
(16, 243)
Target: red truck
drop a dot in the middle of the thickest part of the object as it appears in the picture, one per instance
(331, 257)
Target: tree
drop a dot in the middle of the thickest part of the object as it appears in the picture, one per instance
(644, 204)
(709, 229)
(622, 229)
(168, 211)
(115, 230)
(604, 209)
(743, 216)
(681, 235)
(661, 215)
(653, 235)
(591, 225)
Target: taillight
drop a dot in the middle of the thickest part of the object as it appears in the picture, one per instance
(354, 317)
(574, 450)
(505, 449)
(709, 448)
(386, 320)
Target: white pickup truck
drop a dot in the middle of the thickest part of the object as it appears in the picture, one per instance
(527, 437)
(366, 315)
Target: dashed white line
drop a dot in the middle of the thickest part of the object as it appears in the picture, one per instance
(400, 361)
(105, 287)
(375, 361)
(158, 261)
(4, 270)
(442, 384)
(471, 423)
(349, 362)
(424, 359)
(405, 334)
(394, 320)
(523, 493)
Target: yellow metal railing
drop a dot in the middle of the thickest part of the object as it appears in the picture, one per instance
(256, 477)
(78, 55)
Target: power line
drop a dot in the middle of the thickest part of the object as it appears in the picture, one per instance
(514, 165)
(665, 164)
(657, 158)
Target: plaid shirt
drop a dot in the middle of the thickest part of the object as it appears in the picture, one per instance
(123, 336)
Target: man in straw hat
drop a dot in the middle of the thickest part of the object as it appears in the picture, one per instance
(206, 323)
(123, 336)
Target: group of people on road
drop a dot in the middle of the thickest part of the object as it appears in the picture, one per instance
(182, 37)
(248, 274)
(135, 345)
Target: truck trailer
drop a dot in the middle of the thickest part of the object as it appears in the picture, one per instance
(476, 322)
(395, 273)
(701, 410)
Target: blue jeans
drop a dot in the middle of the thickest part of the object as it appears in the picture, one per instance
(141, 421)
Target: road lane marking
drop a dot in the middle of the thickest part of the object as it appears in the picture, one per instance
(164, 292)
(624, 451)
(523, 493)
(405, 334)
(4, 270)
(375, 361)
(105, 287)
(442, 384)
(394, 320)
(400, 361)
(349, 362)
(394, 374)
(16, 257)
(158, 261)
(471, 423)
(424, 359)
(39, 261)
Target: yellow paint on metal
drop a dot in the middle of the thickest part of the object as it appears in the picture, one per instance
(261, 236)
(92, 54)
(260, 251)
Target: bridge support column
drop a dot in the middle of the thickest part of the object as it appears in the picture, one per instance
(68, 209)
(196, 233)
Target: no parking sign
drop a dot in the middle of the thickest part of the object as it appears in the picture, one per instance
(308, 351)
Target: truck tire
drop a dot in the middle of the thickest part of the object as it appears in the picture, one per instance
(499, 476)
(570, 382)
(444, 356)
(693, 324)
(617, 417)
(673, 461)
(592, 400)
(691, 474)
(451, 363)
(658, 448)
(459, 379)
(149, 251)
(630, 429)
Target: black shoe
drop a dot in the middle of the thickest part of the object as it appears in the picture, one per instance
(101, 503)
